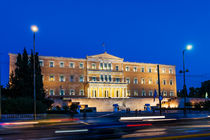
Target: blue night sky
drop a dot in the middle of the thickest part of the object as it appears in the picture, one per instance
(150, 31)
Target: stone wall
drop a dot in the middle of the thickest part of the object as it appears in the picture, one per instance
(107, 104)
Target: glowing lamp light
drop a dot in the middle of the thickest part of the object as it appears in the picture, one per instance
(189, 47)
(34, 28)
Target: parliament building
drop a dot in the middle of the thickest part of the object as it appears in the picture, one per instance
(103, 76)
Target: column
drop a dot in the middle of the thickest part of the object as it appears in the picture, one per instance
(123, 92)
(98, 92)
(114, 92)
(126, 92)
(88, 92)
(102, 92)
(111, 92)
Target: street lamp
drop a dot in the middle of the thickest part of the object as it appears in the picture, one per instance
(188, 47)
(34, 28)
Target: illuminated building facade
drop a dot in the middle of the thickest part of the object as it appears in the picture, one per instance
(103, 76)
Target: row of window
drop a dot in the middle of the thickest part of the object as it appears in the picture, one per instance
(143, 81)
(63, 79)
(108, 78)
(135, 93)
(143, 93)
(106, 66)
(62, 92)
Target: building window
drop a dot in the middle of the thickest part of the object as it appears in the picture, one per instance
(72, 78)
(101, 65)
(61, 64)
(127, 68)
(135, 81)
(143, 93)
(117, 68)
(41, 63)
(135, 93)
(163, 70)
(171, 93)
(106, 93)
(128, 93)
(110, 66)
(135, 69)
(94, 79)
(51, 92)
(102, 78)
(51, 64)
(110, 78)
(150, 93)
(164, 82)
(81, 79)
(142, 69)
(117, 80)
(71, 64)
(142, 81)
(128, 80)
(171, 82)
(93, 65)
(52, 78)
(149, 70)
(117, 93)
(72, 92)
(150, 81)
(106, 78)
(105, 65)
(164, 93)
(62, 78)
(81, 92)
(81, 65)
(170, 71)
(62, 92)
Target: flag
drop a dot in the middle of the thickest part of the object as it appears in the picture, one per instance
(155, 94)
(206, 95)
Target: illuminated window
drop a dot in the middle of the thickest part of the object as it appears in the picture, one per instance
(51, 92)
(41, 63)
(81, 79)
(128, 80)
(61, 64)
(71, 64)
(164, 93)
(81, 65)
(149, 70)
(72, 92)
(150, 81)
(142, 69)
(62, 78)
(93, 66)
(163, 70)
(62, 92)
(51, 64)
(135, 69)
(135, 93)
(143, 93)
(142, 81)
(128, 93)
(170, 71)
(81, 92)
(171, 93)
(135, 81)
(101, 65)
(150, 93)
(127, 68)
(52, 78)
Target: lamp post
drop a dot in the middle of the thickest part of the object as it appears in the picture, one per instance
(34, 28)
(189, 47)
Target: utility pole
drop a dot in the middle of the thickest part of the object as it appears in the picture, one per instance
(158, 70)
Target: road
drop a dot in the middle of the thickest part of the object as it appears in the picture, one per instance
(108, 127)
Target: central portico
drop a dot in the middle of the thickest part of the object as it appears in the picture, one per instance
(106, 80)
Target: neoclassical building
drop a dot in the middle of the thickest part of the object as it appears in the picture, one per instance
(103, 76)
